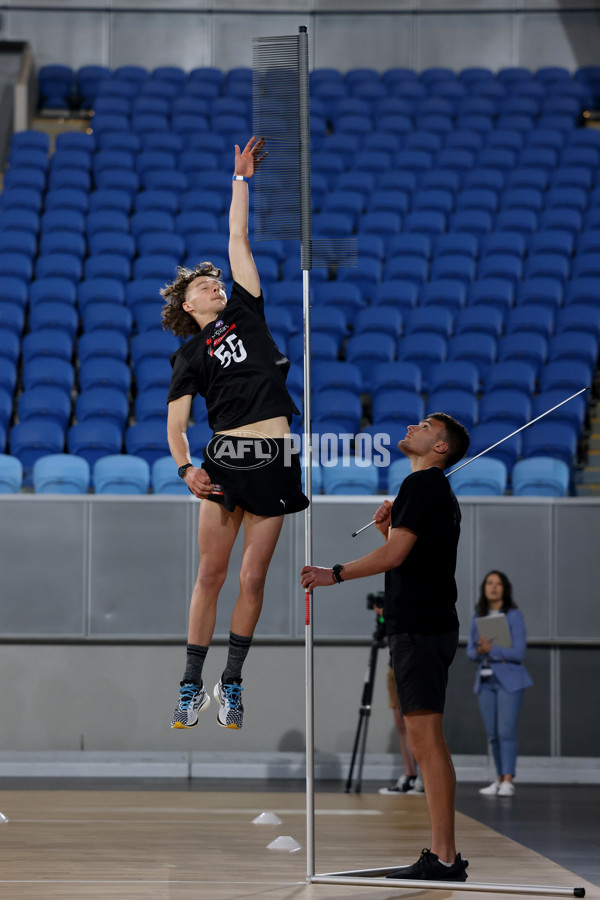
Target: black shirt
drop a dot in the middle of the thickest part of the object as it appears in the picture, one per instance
(235, 364)
(420, 594)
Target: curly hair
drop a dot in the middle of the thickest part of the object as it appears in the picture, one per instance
(174, 316)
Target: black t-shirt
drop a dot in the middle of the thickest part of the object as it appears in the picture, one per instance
(420, 594)
(235, 364)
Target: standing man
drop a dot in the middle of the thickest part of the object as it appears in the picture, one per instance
(421, 531)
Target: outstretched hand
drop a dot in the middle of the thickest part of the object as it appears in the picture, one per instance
(249, 159)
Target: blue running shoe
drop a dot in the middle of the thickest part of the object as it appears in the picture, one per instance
(231, 708)
(192, 701)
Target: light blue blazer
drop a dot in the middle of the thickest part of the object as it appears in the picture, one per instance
(506, 662)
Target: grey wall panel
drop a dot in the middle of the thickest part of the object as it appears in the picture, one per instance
(140, 556)
(580, 701)
(340, 610)
(458, 41)
(516, 539)
(463, 724)
(232, 35)
(162, 39)
(282, 585)
(75, 38)
(577, 571)
(465, 569)
(43, 565)
(346, 41)
(571, 38)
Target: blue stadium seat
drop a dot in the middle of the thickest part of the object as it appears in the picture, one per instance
(106, 199)
(19, 220)
(461, 376)
(533, 318)
(105, 316)
(574, 345)
(94, 438)
(153, 373)
(524, 347)
(43, 402)
(337, 410)
(22, 199)
(382, 223)
(108, 265)
(554, 439)
(16, 265)
(483, 477)
(56, 265)
(62, 243)
(471, 221)
(403, 376)
(431, 223)
(67, 198)
(22, 242)
(586, 265)
(158, 345)
(500, 266)
(113, 243)
(412, 245)
(61, 473)
(47, 342)
(30, 440)
(10, 345)
(544, 291)
(504, 243)
(565, 375)
(164, 201)
(391, 405)
(477, 198)
(458, 268)
(460, 404)
(151, 406)
(483, 436)
(336, 375)
(366, 350)
(474, 347)
(434, 319)
(423, 349)
(12, 318)
(323, 346)
(333, 321)
(346, 296)
(199, 436)
(103, 402)
(508, 406)
(30, 139)
(583, 291)
(49, 372)
(349, 476)
(107, 344)
(571, 413)
(521, 220)
(561, 219)
(444, 292)
(170, 180)
(105, 373)
(579, 317)
(498, 292)
(517, 376)
(102, 290)
(407, 268)
(11, 474)
(396, 473)
(483, 319)
(400, 294)
(121, 474)
(106, 220)
(558, 243)
(540, 476)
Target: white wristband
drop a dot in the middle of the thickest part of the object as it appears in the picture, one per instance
(239, 178)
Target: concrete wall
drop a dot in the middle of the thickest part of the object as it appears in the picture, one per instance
(343, 33)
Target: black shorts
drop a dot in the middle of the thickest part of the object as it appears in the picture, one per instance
(421, 663)
(258, 474)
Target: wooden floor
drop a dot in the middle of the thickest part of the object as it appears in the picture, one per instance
(100, 845)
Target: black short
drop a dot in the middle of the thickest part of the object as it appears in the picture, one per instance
(258, 474)
(421, 663)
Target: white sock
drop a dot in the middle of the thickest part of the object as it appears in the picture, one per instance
(448, 865)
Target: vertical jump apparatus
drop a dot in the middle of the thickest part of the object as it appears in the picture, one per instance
(282, 211)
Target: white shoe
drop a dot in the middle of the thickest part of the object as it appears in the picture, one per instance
(506, 789)
(192, 701)
(402, 786)
(418, 787)
(491, 790)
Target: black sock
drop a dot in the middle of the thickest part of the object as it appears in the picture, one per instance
(193, 665)
(238, 651)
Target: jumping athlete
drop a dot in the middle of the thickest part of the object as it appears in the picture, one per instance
(248, 475)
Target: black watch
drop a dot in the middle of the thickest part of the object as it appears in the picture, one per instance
(337, 572)
(181, 469)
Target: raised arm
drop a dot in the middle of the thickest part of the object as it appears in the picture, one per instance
(242, 263)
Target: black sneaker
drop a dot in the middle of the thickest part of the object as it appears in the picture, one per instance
(402, 786)
(429, 868)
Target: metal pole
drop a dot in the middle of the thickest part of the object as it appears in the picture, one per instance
(361, 878)
(306, 263)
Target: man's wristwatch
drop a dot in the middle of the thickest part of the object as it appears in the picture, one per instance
(181, 469)
(336, 571)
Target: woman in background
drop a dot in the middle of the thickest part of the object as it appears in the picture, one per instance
(501, 679)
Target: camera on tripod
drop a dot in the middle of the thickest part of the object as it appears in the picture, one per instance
(376, 599)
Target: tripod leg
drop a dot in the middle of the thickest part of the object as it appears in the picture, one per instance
(367, 700)
(354, 751)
